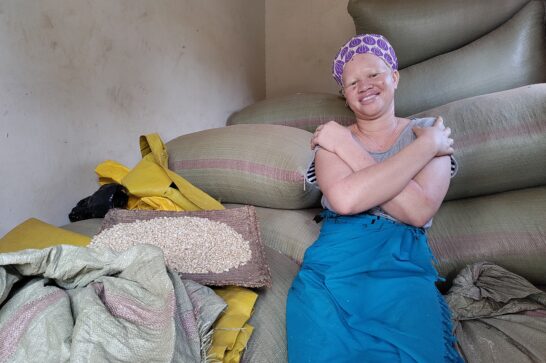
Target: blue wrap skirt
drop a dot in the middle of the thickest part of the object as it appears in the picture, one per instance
(366, 293)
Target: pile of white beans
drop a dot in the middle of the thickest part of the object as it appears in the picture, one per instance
(190, 244)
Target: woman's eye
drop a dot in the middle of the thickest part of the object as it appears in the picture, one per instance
(352, 85)
(374, 75)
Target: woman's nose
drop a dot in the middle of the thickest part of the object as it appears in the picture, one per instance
(363, 86)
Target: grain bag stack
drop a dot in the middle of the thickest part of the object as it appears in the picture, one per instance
(486, 80)
(496, 206)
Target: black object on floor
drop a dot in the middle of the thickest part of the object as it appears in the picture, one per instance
(97, 205)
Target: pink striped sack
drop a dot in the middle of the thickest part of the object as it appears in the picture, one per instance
(506, 229)
(261, 165)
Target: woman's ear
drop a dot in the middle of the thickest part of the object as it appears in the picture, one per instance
(395, 78)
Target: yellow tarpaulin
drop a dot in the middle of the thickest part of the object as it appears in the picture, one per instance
(36, 234)
(151, 185)
(231, 330)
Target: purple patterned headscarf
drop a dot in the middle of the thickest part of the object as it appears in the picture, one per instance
(364, 43)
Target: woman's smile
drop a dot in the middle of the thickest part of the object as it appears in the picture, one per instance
(368, 98)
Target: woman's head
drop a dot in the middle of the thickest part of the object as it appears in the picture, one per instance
(366, 70)
(374, 44)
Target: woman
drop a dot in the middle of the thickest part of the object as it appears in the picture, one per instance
(365, 291)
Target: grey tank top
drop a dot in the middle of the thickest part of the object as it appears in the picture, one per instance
(406, 137)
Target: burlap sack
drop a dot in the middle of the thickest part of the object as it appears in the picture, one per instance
(261, 165)
(303, 110)
(502, 45)
(500, 141)
(507, 229)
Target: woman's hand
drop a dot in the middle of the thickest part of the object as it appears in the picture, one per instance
(330, 135)
(438, 134)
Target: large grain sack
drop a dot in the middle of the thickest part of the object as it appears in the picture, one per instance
(261, 165)
(502, 45)
(290, 232)
(303, 110)
(500, 141)
(507, 229)
(439, 26)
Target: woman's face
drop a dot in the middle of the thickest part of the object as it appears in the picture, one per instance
(369, 85)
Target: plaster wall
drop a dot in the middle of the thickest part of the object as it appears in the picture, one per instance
(81, 80)
(301, 39)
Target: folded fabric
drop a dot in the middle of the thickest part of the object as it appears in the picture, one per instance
(36, 234)
(151, 185)
(234, 355)
(231, 331)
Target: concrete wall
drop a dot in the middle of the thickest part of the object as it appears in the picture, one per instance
(81, 80)
(301, 39)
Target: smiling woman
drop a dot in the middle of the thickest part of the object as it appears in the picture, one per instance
(366, 291)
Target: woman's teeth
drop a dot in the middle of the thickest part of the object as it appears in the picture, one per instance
(367, 98)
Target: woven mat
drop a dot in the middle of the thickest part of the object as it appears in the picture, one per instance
(254, 273)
